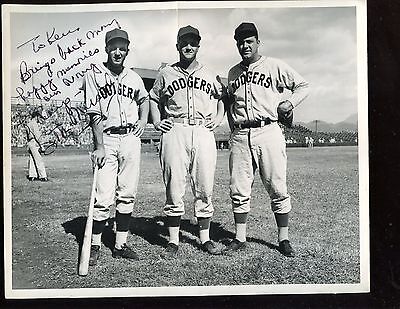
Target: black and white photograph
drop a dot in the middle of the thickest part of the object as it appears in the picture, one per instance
(185, 149)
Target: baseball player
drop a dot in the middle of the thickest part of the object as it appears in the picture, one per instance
(255, 103)
(118, 105)
(185, 107)
(36, 167)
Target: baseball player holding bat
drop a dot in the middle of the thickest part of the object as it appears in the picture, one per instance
(254, 107)
(36, 167)
(118, 105)
(186, 107)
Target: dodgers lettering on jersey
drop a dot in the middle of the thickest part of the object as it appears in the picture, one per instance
(191, 82)
(114, 97)
(181, 94)
(110, 89)
(258, 89)
(255, 78)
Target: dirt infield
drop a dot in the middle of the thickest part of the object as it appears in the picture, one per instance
(48, 222)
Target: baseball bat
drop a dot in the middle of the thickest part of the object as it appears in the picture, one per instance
(87, 238)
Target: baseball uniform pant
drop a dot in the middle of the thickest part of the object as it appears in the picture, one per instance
(188, 150)
(263, 148)
(118, 178)
(36, 168)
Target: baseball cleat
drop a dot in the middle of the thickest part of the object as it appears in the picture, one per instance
(286, 249)
(125, 252)
(170, 251)
(210, 248)
(43, 179)
(235, 245)
(94, 254)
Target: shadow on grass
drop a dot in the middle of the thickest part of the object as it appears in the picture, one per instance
(77, 226)
(155, 232)
(262, 242)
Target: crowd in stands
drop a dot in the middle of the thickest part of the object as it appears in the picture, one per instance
(301, 136)
(69, 127)
(58, 124)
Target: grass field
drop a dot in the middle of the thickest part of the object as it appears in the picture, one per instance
(48, 222)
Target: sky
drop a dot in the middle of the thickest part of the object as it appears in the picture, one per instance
(318, 42)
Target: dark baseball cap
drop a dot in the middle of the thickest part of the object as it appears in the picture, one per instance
(188, 30)
(116, 34)
(245, 30)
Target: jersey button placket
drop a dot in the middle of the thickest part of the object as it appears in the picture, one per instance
(121, 108)
(248, 101)
(190, 99)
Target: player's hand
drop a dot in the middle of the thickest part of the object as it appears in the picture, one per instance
(99, 157)
(213, 123)
(164, 125)
(139, 127)
(285, 107)
(285, 113)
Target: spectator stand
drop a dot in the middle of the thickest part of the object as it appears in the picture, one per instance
(68, 127)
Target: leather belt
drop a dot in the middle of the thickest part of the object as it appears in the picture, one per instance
(119, 130)
(190, 122)
(254, 124)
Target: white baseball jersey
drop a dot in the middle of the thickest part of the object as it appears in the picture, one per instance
(114, 97)
(186, 95)
(187, 148)
(258, 89)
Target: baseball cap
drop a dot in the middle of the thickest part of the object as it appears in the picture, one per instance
(245, 30)
(116, 33)
(188, 30)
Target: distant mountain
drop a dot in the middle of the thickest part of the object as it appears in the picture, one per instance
(349, 124)
(351, 119)
(346, 126)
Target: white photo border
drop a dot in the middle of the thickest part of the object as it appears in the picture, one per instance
(362, 80)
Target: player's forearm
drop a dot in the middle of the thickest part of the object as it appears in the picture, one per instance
(97, 128)
(220, 109)
(154, 112)
(144, 110)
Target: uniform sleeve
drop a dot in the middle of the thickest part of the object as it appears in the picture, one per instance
(289, 79)
(141, 93)
(156, 92)
(92, 101)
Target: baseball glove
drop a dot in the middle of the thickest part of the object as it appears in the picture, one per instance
(285, 113)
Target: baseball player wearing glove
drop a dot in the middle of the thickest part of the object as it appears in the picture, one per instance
(118, 105)
(186, 107)
(36, 167)
(254, 108)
